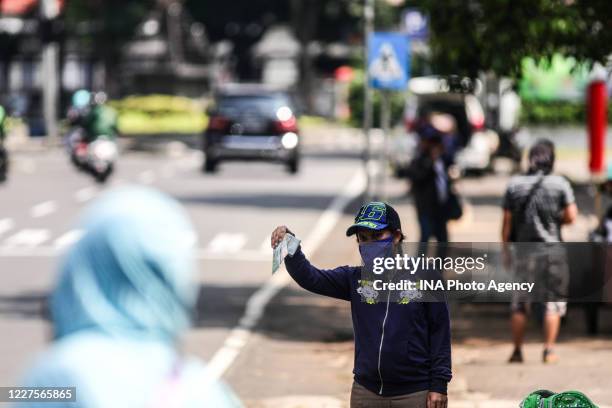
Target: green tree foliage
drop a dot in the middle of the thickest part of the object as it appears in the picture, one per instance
(495, 35)
(104, 26)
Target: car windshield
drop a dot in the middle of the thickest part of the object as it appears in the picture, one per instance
(265, 104)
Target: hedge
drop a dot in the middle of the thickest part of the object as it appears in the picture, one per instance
(159, 114)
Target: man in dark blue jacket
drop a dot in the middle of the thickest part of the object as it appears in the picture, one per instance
(402, 349)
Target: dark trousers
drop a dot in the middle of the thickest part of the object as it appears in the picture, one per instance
(363, 398)
(433, 225)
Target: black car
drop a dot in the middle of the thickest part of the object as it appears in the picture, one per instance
(251, 123)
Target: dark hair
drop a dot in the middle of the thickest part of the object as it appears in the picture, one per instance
(542, 157)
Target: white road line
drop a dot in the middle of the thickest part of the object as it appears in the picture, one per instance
(27, 238)
(147, 177)
(265, 246)
(244, 255)
(223, 358)
(27, 166)
(6, 224)
(85, 194)
(227, 243)
(167, 171)
(118, 182)
(43, 209)
(68, 239)
(193, 160)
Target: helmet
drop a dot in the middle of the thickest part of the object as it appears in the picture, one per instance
(81, 98)
(100, 98)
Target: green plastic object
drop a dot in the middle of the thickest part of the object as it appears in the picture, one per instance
(549, 399)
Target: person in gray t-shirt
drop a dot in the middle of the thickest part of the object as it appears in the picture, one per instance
(536, 205)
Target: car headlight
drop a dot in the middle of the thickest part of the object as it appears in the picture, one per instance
(289, 140)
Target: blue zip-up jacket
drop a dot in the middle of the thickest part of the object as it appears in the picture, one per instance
(399, 348)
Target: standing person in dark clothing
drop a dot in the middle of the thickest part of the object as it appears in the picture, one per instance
(431, 186)
(3, 152)
(536, 205)
(402, 351)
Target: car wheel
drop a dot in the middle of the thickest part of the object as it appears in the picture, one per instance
(210, 166)
(103, 176)
(293, 166)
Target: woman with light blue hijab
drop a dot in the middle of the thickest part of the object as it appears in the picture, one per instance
(124, 296)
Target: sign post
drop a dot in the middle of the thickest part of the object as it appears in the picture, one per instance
(49, 11)
(597, 121)
(387, 70)
(367, 96)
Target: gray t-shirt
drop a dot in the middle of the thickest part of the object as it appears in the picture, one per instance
(538, 218)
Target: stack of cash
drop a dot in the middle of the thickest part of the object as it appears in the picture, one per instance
(288, 246)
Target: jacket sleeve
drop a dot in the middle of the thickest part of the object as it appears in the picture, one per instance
(439, 345)
(334, 283)
(421, 170)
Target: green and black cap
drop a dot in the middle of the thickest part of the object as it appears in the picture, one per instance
(377, 216)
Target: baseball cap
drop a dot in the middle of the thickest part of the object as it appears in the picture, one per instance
(375, 215)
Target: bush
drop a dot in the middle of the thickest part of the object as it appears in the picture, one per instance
(159, 114)
(356, 103)
(555, 113)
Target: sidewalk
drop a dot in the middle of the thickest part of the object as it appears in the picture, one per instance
(302, 353)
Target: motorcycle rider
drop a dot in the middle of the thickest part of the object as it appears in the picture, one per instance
(91, 118)
(101, 120)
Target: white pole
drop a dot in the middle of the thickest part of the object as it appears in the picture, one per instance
(385, 117)
(367, 93)
(49, 10)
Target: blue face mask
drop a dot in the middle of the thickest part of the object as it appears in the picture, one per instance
(375, 249)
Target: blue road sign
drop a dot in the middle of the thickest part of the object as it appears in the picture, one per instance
(415, 24)
(388, 61)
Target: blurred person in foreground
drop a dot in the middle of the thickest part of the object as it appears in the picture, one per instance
(402, 350)
(124, 296)
(535, 206)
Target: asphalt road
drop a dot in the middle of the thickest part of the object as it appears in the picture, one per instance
(234, 212)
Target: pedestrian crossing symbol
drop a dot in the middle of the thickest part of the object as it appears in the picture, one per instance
(388, 61)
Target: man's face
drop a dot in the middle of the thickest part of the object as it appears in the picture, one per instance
(365, 235)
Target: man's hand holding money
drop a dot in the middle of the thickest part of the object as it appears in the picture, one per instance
(284, 243)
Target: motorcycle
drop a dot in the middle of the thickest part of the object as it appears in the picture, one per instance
(96, 158)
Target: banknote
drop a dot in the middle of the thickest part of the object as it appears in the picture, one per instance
(288, 246)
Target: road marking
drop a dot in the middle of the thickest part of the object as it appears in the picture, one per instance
(244, 255)
(6, 224)
(223, 358)
(194, 160)
(147, 177)
(68, 239)
(227, 243)
(118, 182)
(167, 171)
(265, 246)
(27, 238)
(27, 166)
(43, 209)
(85, 194)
